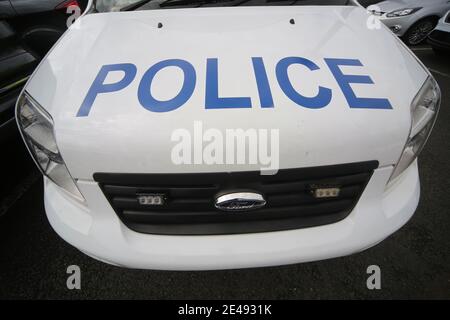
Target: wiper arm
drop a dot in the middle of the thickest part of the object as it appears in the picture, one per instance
(135, 5)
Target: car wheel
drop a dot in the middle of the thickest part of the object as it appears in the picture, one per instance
(419, 31)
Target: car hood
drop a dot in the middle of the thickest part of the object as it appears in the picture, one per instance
(119, 135)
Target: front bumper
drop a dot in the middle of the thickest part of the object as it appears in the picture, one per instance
(97, 231)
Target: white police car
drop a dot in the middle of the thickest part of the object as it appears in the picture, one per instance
(347, 108)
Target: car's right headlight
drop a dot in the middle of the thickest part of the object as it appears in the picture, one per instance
(36, 126)
(424, 110)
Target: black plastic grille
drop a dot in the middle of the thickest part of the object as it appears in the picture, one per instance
(190, 208)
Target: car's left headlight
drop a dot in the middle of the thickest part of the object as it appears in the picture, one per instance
(402, 12)
(36, 126)
(424, 110)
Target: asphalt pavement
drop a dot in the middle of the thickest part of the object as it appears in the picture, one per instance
(414, 262)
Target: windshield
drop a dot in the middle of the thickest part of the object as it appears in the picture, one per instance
(117, 5)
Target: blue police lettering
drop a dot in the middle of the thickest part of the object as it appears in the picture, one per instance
(98, 86)
(212, 99)
(262, 83)
(344, 81)
(144, 94)
(321, 100)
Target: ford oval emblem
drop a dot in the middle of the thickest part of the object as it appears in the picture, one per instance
(240, 201)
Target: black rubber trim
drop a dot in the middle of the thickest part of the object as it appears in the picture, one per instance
(187, 179)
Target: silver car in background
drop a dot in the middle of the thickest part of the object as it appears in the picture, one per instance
(439, 39)
(413, 20)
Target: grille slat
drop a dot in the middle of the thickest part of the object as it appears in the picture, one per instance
(189, 206)
(175, 191)
(175, 204)
(279, 187)
(298, 198)
(272, 213)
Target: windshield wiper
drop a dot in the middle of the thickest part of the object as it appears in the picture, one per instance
(135, 5)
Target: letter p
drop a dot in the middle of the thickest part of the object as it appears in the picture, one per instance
(98, 86)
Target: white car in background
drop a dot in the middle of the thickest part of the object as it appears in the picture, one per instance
(353, 108)
(439, 39)
(413, 20)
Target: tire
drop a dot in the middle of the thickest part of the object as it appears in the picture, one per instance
(419, 31)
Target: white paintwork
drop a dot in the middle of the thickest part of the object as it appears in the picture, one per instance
(121, 136)
(429, 8)
(442, 25)
(118, 123)
(99, 233)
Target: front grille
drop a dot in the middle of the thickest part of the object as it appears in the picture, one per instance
(189, 208)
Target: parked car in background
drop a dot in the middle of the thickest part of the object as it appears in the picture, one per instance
(413, 20)
(439, 39)
(16, 64)
(38, 23)
(28, 29)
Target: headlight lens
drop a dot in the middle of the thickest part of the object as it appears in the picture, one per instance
(402, 12)
(424, 110)
(36, 126)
